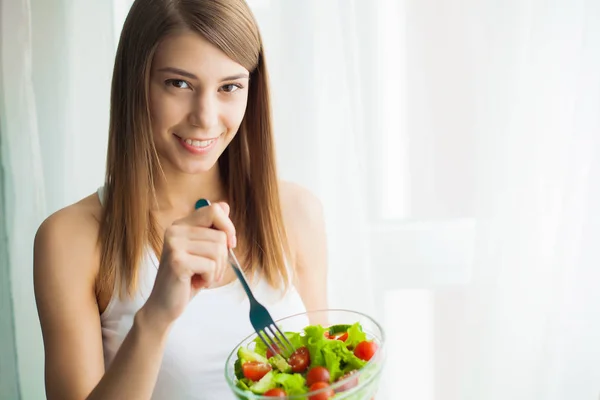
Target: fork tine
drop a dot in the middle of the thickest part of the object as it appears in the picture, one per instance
(275, 338)
(256, 307)
(290, 346)
(285, 337)
(266, 342)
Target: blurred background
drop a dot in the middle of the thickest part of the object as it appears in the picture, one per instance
(455, 146)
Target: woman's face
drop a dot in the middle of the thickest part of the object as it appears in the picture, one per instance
(198, 98)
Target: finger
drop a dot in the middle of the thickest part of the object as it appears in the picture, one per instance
(214, 216)
(184, 264)
(196, 233)
(205, 203)
(218, 252)
(225, 207)
(224, 264)
(182, 230)
(227, 210)
(179, 236)
(211, 250)
(202, 271)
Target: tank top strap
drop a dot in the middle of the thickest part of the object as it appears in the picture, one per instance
(101, 192)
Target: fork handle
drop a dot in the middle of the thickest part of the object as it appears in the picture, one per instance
(235, 264)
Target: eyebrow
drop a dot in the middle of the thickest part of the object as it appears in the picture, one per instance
(192, 76)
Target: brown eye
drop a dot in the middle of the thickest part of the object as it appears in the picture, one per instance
(230, 88)
(178, 83)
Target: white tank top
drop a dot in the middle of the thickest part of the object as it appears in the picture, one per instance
(214, 322)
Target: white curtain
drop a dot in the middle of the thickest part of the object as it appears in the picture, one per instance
(56, 65)
(455, 147)
(507, 97)
(317, 107)
(23, 198)
(531, 321)
(483, 266)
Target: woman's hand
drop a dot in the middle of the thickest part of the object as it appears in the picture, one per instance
(194, 256)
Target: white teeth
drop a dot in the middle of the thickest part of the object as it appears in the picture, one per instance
(199, 143)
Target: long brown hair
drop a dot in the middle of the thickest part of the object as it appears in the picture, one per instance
(247, 166)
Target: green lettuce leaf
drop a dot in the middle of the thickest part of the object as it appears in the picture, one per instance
(260, 347)
(355, 335)
(315, 341)
(293, 384)
(339, 359)
(333, 354)
(295, 339)
(332, 363)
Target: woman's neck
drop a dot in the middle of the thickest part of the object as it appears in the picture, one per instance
(178, 193)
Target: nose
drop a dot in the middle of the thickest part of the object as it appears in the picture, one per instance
(204, 113)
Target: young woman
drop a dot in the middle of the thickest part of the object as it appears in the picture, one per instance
(135, 296)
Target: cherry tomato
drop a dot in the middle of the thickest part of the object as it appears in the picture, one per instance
(352, 382)
(300, 360)
(365, 350)
(324, 395)
(343, 337)
(277, 392)
(255, 370)
(270, 353)
(317, 374)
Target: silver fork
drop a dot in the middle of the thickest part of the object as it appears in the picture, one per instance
(262, 322)
(266, 329)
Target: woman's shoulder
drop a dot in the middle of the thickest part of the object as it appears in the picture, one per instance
(300, 206)
(302, 214)
(82, 217)
(69, 236)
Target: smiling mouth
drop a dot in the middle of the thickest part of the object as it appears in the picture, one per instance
(199, 144)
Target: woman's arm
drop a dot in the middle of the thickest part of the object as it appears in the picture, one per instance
(66, 262)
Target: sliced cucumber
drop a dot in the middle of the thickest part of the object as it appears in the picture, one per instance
(337, 329)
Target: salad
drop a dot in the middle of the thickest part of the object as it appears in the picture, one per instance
(323, 357)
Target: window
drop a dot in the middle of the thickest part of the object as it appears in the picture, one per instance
(423, 162)
(424, 234)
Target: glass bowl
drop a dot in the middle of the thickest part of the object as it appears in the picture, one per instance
(362, 385)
